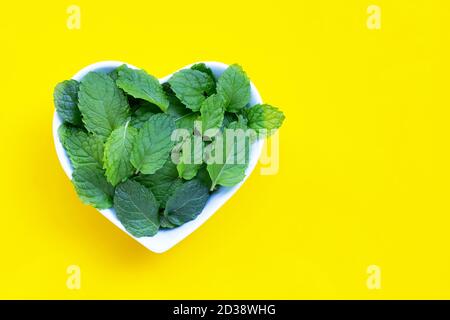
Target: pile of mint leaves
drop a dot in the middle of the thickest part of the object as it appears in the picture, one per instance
(118, 134)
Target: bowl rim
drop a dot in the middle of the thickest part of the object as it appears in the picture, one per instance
(164, 239)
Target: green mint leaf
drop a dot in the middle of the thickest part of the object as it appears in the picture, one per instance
(137, 209)
(140, 116)
(192, 87)
(103, 105)
(234, 86)
(187, 202)
(114, 74)
(212, 112)
(240, 123)
(228, 118)
(65, 97)
(117, 154)
(230, 156)
(165, 223)
(188, 171)
(203, 68)
(187, 121)
(203, 177)
(162, 183)
(176, 107)
(136, 104)
(242, 119)
(64, 131)
(92, 187)
(264, 116)
(83, 149)
(184, 117)
(153, 143)
(191, 157)
(140, 84)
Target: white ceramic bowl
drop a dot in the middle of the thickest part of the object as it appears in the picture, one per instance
(164, 239)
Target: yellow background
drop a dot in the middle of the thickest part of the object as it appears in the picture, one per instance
(364, 151)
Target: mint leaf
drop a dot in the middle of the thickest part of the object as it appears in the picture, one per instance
(114, 74)
(64, 131)
(187, 202)
(203, 68)
(65, 98)
(140, 84)
(153, 143)
(165, 223)
(136, 104)
(203, 177)
(104, 106)
(234, 86)
(82, 148)
(191, 157)
(140, 116)
(187, 121)
(117, 154)
(137, 209)
(162, 183)
(92, 187)
(183, 116)
(192, 87)
(229, 158)
(188, 171)
(212, 111)
(242, 119)
(176, 107)
(228, 118)
(264, 116)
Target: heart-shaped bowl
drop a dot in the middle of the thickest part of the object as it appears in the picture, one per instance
(164, 239)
